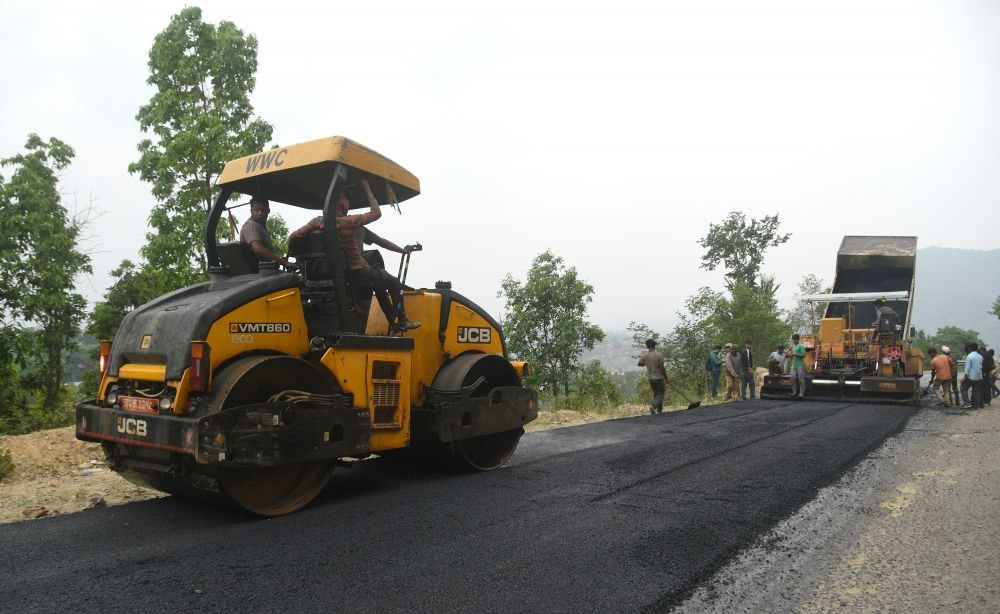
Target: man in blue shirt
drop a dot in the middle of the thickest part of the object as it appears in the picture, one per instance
(973, 378)
(715, 370)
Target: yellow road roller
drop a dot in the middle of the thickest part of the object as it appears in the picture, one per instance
(251, 387)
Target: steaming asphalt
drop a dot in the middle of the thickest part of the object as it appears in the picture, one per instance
(621, 516)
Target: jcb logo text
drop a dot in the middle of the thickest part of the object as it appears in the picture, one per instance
(131, 426)
(470, 334)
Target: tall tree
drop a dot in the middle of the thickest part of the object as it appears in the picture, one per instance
(41, 260)
(739, 246)
(805, 316)
(200, 117)
(545, 320)
(751, 313)
(689, 342)
(996, 307)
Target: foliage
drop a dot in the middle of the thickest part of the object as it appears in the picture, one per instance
(6, 463)
(805, 316)
(739, 246)
(697, 330)
(132, 287)
(748, 310)
(996, 307)
(952, 336)
(592, 382)
(40, 262)
(751, 313)
(545, 321)
(640, 332)
(713, 318)
(200, 117)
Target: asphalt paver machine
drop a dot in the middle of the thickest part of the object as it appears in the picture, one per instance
(253, 386)
(861, 351)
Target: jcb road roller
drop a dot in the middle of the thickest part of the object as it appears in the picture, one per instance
(252, 386)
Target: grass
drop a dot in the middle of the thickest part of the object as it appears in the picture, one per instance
(6, 463)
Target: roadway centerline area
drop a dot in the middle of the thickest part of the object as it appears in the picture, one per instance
(625, 515)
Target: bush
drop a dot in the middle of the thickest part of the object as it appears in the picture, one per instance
(30, 417)
(6, 463)
(592, 381)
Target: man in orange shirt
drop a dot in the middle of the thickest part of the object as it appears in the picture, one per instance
(942, 375)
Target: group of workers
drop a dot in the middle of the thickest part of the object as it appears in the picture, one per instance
(979, 383)
(737, 365)
(352, 234)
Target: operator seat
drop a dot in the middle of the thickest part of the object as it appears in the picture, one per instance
(310, 255)
(238, 256)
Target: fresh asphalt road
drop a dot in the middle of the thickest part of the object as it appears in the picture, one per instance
(620, 516)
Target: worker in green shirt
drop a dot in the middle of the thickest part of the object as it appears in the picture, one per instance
(798, 371)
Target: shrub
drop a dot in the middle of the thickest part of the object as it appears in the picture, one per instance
(6, 463)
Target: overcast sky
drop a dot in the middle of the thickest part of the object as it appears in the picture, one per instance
(611, 133)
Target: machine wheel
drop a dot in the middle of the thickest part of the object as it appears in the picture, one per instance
(281, 489)
(486, 452)
(278, 490)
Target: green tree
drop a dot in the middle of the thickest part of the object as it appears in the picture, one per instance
(41, 262)
(200, 117)
(996, 307)
(751, 313)
(805, 316)
(748, 311)
(592, 383)
(955, 338)
(739, 246)
(640, 332)
(545, 320)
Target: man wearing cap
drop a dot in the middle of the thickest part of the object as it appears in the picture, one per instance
(953, 362)
(941, 375)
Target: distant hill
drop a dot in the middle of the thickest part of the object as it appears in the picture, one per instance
(957, 287)
(616, 352)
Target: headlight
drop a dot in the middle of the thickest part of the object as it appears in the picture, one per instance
(166, 403)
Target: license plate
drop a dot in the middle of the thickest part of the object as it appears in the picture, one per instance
(140, 404)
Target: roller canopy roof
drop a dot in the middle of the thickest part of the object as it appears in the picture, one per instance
(300, 174)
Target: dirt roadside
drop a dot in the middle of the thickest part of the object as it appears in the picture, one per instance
(55, 473)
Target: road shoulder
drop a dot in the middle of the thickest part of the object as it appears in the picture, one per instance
(911, 529)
